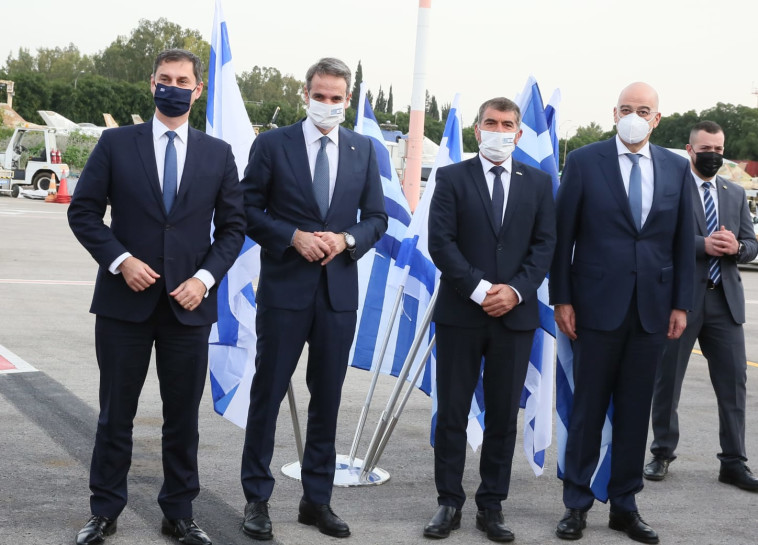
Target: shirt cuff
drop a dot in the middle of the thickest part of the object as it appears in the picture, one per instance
(520, 299)
(480, 293)
(117, 263)
(206, 278)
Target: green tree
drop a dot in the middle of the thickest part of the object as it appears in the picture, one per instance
(357, 86)
(390, 103)
(432, 110)
(380, 106)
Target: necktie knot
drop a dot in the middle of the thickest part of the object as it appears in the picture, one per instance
(707, 186)
(171, 135)
(634, 158)
(497, 170)
(324, 142)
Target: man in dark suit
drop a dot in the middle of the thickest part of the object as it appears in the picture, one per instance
(314, 202)
(491, 235)
(167, 184)
(621, 283)
(717, 316)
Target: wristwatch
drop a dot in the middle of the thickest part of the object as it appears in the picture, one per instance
(349, 242)
(740, 250)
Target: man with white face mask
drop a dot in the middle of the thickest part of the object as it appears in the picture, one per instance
(491, 235)
(621, 283)
(314, 202)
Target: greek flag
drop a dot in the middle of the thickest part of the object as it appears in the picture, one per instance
(231, 350)
(564, 383)
(537, 147)
(375, 300)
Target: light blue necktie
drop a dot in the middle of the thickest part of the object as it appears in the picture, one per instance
(498, 195)
(169, 172)
(711, 222)
(321, 178)
(635, 189)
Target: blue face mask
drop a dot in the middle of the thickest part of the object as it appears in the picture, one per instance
(172, 101)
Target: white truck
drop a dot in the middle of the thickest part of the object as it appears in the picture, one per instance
(30, 159)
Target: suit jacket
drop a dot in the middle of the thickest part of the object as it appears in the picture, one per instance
(279, 198)
(602, 260)
(122, 170)
(733, 214)
(466, 246)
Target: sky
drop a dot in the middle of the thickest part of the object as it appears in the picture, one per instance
(695, 53)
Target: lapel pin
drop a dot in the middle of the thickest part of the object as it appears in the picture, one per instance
(518, 173)
(724, 186)
(352, 148)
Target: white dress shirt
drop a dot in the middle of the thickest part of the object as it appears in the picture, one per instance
(646, 170)
(313, 145)
(160, 139)
(480, 292)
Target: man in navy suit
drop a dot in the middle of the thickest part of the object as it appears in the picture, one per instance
(723, 236)
(314, 202)
(167, 185)
(621, 283)
(491, 235)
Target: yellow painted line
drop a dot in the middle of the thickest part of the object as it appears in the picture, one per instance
(751, 363)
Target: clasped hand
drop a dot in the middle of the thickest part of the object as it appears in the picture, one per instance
(319, 246)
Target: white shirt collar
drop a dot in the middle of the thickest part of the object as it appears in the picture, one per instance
(623, 150)
(159, 129)
(487, 164)
(313, 134)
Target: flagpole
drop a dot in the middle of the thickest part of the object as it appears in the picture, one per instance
(374, 378)
(368, 461)
(409, 389)
(295, 422)
(412, 175)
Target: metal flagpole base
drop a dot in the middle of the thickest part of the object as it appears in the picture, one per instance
(344, 475)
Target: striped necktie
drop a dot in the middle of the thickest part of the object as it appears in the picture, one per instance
(711, 222)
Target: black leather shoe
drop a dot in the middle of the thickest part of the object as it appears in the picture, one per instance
(257, 523)
(633, 525)
(739, 475)
(322, 517)
(492, 522)
(656, 469)
(572, 524)
(186, 530)
(445, 520)
(96, 530)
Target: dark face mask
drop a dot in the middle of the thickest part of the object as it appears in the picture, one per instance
(708, 163)
(172, 101)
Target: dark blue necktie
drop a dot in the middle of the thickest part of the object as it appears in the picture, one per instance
(635, 189)
(498, 195)
(169, 172)
(712, 223)
(321, 178)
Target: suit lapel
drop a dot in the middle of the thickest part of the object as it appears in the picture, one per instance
(347, 155)
(609, 165)
(191, 164)
(146, 152)
(297, 157)
(660, 179)
(697, 207)
(722, 190)
(515, 192)
(480, 183)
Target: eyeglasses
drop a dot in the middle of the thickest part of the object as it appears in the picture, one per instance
(642, 112)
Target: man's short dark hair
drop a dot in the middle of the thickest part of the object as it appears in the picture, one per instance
(177, 55)
(329, 66)
(711, 127)
(501, 104)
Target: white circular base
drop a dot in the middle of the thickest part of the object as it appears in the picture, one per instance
(344, 474)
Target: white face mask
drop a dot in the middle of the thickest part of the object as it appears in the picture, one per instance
(326, 116)
(633, 129)
(497, 146)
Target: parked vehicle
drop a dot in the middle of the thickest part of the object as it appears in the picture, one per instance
(30, 159)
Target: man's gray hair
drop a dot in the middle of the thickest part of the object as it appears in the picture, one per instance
(329, 66)
(500, 104)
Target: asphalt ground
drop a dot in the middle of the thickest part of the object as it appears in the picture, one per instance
(48, 419)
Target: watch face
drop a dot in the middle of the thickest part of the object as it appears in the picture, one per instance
(349, 240)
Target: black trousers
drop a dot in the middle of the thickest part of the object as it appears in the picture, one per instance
(619, 364)
(282, 335)
(459, 362)
(123, 355)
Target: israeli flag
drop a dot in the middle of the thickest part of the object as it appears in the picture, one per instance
(231, 350)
